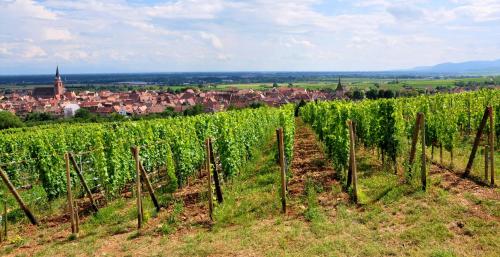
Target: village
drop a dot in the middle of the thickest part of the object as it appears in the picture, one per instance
(64, 103)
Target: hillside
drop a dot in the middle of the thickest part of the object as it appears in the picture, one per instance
(456, 217)
(464, 68)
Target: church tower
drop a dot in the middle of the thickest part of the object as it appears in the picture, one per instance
(58, 85)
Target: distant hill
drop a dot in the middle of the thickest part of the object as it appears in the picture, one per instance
(471, 67)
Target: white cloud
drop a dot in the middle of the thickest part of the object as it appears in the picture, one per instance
(56, 34)
(32, 52)
(175, 35)
(27, 9)
(213, 39)
(186, 9)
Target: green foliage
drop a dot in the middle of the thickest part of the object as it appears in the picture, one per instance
(9, 120)
(388, 124)
(83, 113)
(195, 110)
(176, 144)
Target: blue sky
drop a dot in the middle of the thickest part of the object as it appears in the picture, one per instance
(91, 36)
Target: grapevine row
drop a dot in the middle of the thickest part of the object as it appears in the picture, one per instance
(387, 124)
(174, 143)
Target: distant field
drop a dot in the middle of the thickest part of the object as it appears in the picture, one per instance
(361, 83)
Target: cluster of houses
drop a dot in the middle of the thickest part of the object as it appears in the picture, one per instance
(60, 102)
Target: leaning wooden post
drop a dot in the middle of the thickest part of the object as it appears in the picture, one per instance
(352, 160)
(4, 220)
(135, 153)
(82, 180)
(218, 190)
(149, 187)
(70, 196)
(209, 182)
(77, 217)
(414, 139)
(492, 146)
(19, 200)
(424, 164)
(283, 170)
(486, 162)
(476, 142)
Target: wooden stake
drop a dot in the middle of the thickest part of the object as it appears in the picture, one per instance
(70, 195)
(19, 200)
(476, 142)
(424, 164)
(82, 180)
(77, 218)
(414, 139)
(432, 152)
(149, 187)
(451, 159)
(4, 221)
(283, 171)
(279, 146)
(492, 146)
(441, 154)
(135, 153)
(486, 162)
(218, 190)
(209, 182)
(352, 160)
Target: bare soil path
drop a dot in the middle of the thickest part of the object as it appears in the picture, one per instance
(310, 163)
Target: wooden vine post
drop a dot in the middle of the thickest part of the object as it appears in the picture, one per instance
(70, 196)
(352, 162)
(423, 175)
(77, 217)
(82, 180)
(135, 153)
(218, 190)
(476, 142)
(281, 154)
(18, 198)
(149, 187)
(486, 162)
(3, 229)
(492, 146)
(414, 140)
(209, 181)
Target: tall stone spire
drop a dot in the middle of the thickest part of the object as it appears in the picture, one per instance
(339, 85)
(58, 85)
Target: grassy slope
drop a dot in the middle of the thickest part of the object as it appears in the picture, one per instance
(454, 218)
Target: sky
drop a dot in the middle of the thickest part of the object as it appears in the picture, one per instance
(90, 36)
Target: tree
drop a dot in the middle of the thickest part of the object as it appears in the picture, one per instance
(372, 93)
(195, 110)
(83, 114)
(9, 120)
(38, 116)
(169, 112)
(358, 94)
(255, 105)
(275, 84)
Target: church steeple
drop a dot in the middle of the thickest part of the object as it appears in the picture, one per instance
(339, 85)
(58, 85)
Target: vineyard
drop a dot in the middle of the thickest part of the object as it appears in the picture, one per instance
(289, 183)
(33, 158)
(387, 126)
